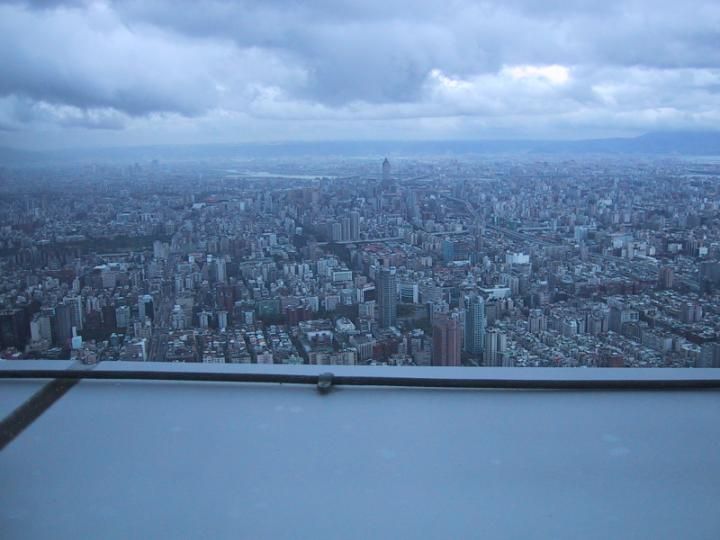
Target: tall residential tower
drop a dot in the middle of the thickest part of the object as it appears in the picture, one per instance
(387, 297)
(474, 325)
(447, 339)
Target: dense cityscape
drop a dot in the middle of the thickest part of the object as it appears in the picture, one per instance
(476, 261)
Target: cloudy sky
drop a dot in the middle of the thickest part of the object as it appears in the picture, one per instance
(88, 73)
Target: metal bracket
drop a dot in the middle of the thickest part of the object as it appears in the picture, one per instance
(325, 382)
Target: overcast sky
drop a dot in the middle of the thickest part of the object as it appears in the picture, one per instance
(77, 73)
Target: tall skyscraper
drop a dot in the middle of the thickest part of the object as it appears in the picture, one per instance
(345, 228)
(386, 171)
(63, 324)
(354, 225)
(76, 310)
(474, 325)
(387, 297)
(447, 337)
(490, 348)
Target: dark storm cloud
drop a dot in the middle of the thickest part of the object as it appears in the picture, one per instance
(382, 51)
(92, 59)
(455, 67)
(57, 58)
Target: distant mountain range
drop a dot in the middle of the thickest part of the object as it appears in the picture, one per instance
(657, 143)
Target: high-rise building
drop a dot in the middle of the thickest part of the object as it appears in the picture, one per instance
(536, 321)
(448, 250)
(665, 277)
(221, 269)
(160, 249)
(619, 315)
(108, 317)
(222, 320)
(387, 297)
(420, 347)
(709, 275)
(501, 355)
(14, 328)
(569, 327)
(709, 355)
(122, 316)
(474, 325)
(386, 169)
(495, 347)
(436, 308)
(691, 312)
(490, 348)
(354, 225)
(334, 231)
(177, 318)
(447, 339)
(345, 229)
(145, 307)
(76, 310)
(63, 324)
(409, 292)
(41, 328)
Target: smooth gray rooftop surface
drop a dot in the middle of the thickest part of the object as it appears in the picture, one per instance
(223, 460)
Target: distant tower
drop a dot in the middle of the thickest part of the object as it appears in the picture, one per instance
(475, 325)
(386, 171)
(387, 297)
(446, 336)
